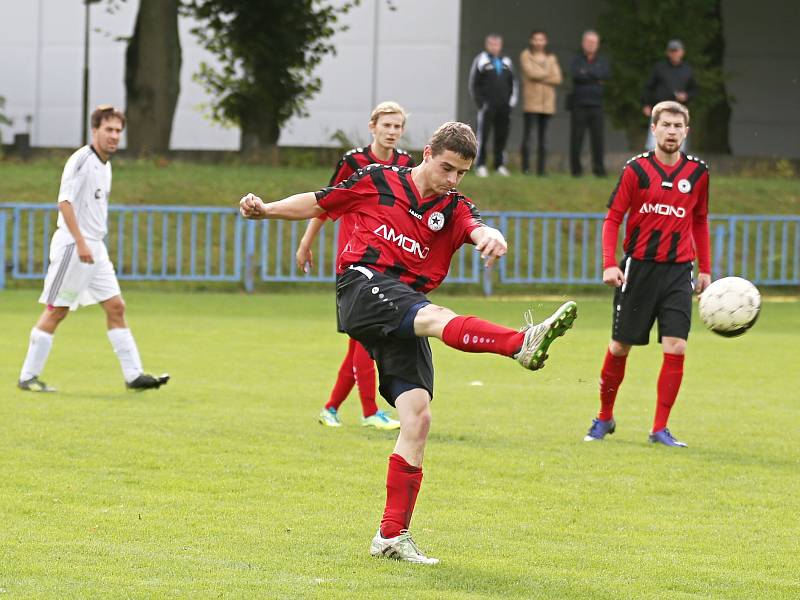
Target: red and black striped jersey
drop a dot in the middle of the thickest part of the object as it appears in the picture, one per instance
(395, 230)
(667, 208)
(351, 162)
(356, 158)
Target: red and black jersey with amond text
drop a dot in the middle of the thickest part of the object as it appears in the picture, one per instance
(667, 208)
(395, 230)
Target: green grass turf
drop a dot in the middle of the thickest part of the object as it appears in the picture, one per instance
(222, 484)
(154, 182)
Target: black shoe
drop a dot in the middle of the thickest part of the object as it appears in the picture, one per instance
(147, 382)
(34, 384)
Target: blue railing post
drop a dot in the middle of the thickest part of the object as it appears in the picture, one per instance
(249, 255)
(2, 249)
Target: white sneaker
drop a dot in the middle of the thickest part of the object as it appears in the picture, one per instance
(501, 170)
(329, 417)
(482, 171)
(539, 337)
(401, 547)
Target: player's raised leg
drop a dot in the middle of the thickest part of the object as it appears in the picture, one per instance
(528, 346)
(404, 477)
(39, 346)
(125, 348)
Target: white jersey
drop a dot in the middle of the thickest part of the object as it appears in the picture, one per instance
(86, 184)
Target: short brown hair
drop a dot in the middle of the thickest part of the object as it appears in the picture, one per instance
(670, 106)
(106, 111)
(387, 108)
(456, 137)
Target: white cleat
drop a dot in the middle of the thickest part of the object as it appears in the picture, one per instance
(482, 171)
(538, 337)
(502, 170)
(401, 547)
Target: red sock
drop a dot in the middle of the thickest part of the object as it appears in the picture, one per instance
(669, 382)
(345, 380)
(611, 376)
(364, 370)
(402, 486)
(471, 334)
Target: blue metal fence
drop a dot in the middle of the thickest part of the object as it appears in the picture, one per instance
(178, 243)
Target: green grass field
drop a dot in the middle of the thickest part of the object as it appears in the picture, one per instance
(223, 485)
(156, 182)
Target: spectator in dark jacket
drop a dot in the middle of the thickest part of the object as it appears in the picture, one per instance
(671, 79)
(589, 72)
(493, 88)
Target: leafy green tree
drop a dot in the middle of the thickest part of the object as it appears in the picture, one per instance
(4, 120)
(635, 35)
(267, 51)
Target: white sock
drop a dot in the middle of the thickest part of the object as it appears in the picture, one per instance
(38, 351)
(128, 354)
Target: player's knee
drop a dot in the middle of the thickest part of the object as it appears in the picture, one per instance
(115, 307)
(674, 345)
(432, 318)
(56, 314)
(618, 348)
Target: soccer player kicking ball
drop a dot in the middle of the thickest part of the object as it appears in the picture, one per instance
(80, 272)
(408, 225)
(665, 195)
(386, 123)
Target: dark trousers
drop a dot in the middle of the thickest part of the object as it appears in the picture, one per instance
(541, 121)
(497, 118)
(581, 119)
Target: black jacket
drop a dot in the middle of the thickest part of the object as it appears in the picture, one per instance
(588, 79)
(486, 86)
(665, 80)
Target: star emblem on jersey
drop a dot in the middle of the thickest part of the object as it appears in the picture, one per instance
(436, 221)
(684, 186)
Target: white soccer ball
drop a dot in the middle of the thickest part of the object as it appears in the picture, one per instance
(730, 306)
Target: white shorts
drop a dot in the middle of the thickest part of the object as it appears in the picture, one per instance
(70, 282)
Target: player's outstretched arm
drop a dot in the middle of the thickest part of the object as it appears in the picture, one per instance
(293, 208)
(490, 243)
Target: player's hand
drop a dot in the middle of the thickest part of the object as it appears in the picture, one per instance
(613, 276)
(647, 110)
(84, 252)
(251, 206)
(681, 96)
(492, 246)
(703, 281)
(304, 258)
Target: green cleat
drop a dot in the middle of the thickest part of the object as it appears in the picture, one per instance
(329, 417)
(401, 547)
(34, 384)
(380, 420)
(539, 337)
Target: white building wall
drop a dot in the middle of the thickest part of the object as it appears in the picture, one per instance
(414, 62)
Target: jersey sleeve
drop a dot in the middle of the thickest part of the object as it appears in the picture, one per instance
(700, 233)
(342, 172)
(618, 205)
(72, 178)
(346, 196)
(466, 219)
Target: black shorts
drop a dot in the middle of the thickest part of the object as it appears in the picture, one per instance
(652, 291)
(371, 309)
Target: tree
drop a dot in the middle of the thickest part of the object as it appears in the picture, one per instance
(267, 51)
(152, 76)
(635, 33)
(4, 120)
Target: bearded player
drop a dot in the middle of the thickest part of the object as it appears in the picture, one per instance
(665, 196)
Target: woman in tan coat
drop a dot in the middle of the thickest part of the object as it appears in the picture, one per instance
(540, 76)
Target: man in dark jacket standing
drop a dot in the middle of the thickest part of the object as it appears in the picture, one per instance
(671, 79)
(589, 73)
(494, 90)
